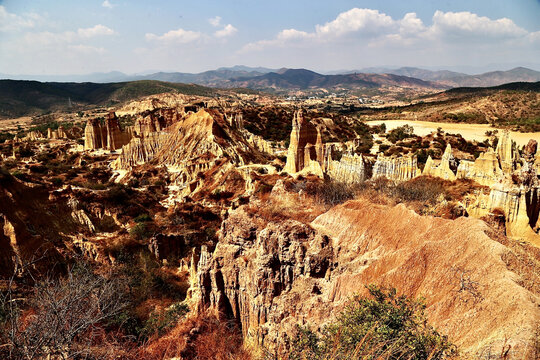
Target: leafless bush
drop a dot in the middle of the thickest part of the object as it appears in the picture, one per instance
(61, 317)
(466, 284)
(333, 192)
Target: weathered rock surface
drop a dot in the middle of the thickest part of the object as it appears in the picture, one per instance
(485, 170)
(268, 277)
(396, 168)
(33, 136)
(110, 136)
(30, 226)
(349, 169)
(505, 152)
(443, 169)
(93, 135)
(139, 150)
(302, 147)
(202, 142)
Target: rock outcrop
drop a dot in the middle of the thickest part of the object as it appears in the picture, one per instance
(269, 277)
(31, 227)
(109, 137)
(396, 168)
(33, 135)
(202, 142)
(520, 208)
(505, 152)
(485, 170)
(349, 169)
(443, 169)
(139, 150)
(305, 146)
(93, 135)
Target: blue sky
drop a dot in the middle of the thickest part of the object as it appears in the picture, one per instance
(76, 37)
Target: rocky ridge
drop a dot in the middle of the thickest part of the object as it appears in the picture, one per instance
(270, 276)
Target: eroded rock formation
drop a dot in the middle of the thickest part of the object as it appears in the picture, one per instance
(349, 169)
(202, 142)
(305, 148)
(109, 137)
(397, 168)
(269, 277)
(485, 170)
(443, 169)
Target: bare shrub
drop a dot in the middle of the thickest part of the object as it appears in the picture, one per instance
(61, 317)
(332, 192)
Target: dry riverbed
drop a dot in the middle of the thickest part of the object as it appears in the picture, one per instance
(468, 131)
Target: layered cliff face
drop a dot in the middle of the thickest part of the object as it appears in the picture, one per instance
(396, 168)
(33, 136)
(349, 169)
(513, 181)
(139, 150)
(200, 143)
(520, 207)
(305, 148)
(505, 153)
(110, 136)
(268, 277)
(157, 120)
(93, 135)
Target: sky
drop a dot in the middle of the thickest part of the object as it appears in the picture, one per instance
(61, 37)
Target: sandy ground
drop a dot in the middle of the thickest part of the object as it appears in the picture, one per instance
(468, 131)
(11, 124)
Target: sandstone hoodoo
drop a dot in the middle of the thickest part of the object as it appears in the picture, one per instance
(109, 137)
(305, 148)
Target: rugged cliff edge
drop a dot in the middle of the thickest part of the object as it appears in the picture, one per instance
(270, 276)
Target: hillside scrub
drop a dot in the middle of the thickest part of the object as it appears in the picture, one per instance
(383, 326)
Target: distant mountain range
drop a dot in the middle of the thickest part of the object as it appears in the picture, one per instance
(287, 79)
(456, 79)
(305, 79)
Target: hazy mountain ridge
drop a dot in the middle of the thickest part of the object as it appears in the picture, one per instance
(305, 79)
(285, 78)
(456, 79)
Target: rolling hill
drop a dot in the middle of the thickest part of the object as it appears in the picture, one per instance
(515, 105)
(20, 98)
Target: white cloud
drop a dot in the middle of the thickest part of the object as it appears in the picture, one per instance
(107, 4)
(97, 30)
(366, 37)
(293, 34)
(175, 36)
(465, 24)
(215, 21)
(377, 29)
(534, 37)
(411, 24)
(354, 20)
(14, 22)
(228, 30)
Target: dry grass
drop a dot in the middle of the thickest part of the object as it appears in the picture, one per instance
(201, 338)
